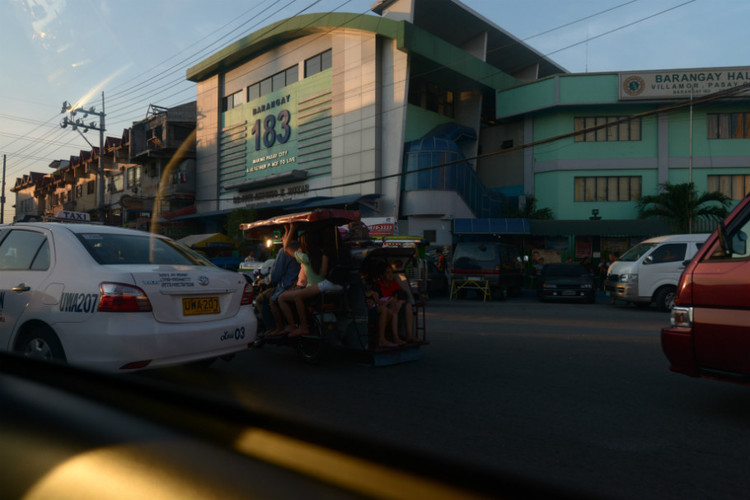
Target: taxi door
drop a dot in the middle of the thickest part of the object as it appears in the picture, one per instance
(24, 269)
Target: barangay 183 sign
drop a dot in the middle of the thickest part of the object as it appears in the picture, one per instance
(680, 84)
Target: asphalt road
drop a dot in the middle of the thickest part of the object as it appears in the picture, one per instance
(575, 396)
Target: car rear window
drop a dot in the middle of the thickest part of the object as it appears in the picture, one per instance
(564, 270)
(108, 249)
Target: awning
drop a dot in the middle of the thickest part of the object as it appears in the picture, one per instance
(491, 226)
(292, 205)
(322, 201)
(603, 227)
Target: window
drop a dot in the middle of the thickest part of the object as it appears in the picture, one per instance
(431, 96)
(23, 250)
(90, 186)
(671, 252)
(607, 188)
(79, 191)
(736, 239)
(273, 83)
(734, 186)
(232, 101)
(318, 63)
(621, 128)
(728, 125)
(134, 177)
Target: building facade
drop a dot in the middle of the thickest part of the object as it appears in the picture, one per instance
(594, 144)
(340, 108)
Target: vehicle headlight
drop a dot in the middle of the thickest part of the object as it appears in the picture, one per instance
(586, 285)
(681, 316)
(629, 278)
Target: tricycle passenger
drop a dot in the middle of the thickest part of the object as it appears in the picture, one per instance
(383, 317)
(395, 299)
(316, 264)
(284, 275)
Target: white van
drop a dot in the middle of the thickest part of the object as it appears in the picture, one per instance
(649, 272)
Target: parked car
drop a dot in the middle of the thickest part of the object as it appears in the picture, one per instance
(117, 299)
(649, 271)
(566, 281)
(497, 263)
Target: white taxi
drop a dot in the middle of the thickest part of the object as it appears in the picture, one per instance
(117, 299)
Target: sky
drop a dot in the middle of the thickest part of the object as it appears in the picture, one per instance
(129, 54)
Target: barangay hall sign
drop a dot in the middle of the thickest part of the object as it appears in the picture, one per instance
(680, 84)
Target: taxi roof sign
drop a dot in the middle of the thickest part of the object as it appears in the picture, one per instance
(76, 216)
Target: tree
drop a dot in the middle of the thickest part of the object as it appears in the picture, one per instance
(237, 217)
(529, 210)
(681, 204)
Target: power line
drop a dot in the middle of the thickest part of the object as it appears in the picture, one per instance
(588, 39)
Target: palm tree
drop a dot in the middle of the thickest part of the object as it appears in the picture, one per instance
(681, 204)
(529, 210)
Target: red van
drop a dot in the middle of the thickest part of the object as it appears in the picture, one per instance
(709, 334)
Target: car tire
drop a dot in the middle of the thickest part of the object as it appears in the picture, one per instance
(664, 298)
(40, 342)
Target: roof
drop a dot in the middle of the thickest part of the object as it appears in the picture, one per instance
(333, 215)
(431, 41)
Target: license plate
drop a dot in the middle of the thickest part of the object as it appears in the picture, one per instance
(194, 306)
(473, 278)
(569, 292)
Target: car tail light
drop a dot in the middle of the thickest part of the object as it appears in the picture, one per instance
(247, 295)
(117, 297)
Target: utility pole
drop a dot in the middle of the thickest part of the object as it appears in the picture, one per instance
(81, 127)
(2, 196)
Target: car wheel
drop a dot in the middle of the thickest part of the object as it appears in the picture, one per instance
(40, 343)
(664, 298)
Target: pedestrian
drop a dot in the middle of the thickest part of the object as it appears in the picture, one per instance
(602, 269)
(613, 257)
(440, 260)
(539, 265)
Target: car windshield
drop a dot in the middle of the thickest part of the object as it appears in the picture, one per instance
(637, 252)
(108, 248)
(479, 252)
(504, 135)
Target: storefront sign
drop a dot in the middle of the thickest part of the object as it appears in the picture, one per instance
(680, 84)
(379, 226)
(270, 194)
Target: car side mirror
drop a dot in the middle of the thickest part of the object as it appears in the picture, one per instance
(648, 260)
(739, 243)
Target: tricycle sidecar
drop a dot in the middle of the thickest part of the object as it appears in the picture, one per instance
(344, 318)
